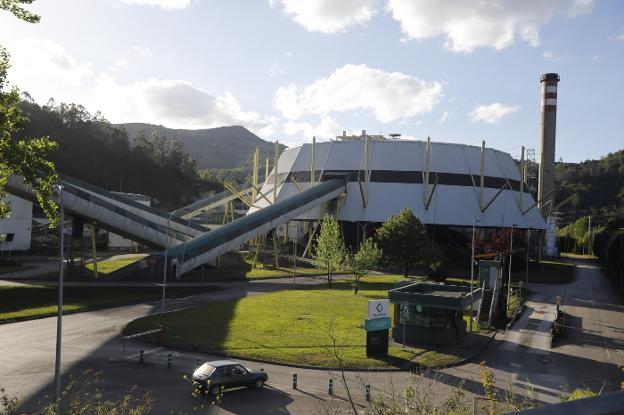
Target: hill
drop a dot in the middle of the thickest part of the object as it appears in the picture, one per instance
(212, 148)
(599, 185)
(95, 151)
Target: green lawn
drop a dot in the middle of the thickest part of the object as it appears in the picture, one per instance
(577, 256)
(287, 326)
(107, 266)
(40, 301)
(246, 271)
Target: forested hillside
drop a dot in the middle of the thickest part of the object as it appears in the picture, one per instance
(599, 185)
(93, 150)
(212, 148)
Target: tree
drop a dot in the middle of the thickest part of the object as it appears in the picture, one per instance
(329, 247)
(25, 157)
(14, 6)
(361, 262)
(404, 241)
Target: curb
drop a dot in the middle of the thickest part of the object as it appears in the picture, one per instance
(515, 317)
(410, 367)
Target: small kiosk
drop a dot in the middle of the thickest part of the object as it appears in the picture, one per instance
(431, 313)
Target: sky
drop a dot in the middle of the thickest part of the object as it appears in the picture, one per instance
(453, 70)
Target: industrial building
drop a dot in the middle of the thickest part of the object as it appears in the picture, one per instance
(15, 230)
(445, 185)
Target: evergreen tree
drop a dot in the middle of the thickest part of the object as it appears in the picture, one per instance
(405, 243)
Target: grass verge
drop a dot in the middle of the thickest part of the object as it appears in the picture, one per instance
(24, 302)
(107, 266)
(294, 327)
(246, 271)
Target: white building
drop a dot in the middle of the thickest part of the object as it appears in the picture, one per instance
(15, 231)
(388, 175)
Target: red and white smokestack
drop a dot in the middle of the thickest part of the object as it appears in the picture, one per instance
(546, 186)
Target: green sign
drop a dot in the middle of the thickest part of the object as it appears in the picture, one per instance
(375, 324)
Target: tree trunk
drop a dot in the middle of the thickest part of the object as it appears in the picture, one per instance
(405, 269)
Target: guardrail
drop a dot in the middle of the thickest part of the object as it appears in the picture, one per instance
(143, 333)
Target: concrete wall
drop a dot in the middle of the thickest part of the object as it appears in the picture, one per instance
(18, 224)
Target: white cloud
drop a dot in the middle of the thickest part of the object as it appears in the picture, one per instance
(143, 52)
(326, 128)
(492, 113)
(486, 23)
(163, 4)
(175, 104)
(45, 69)
(444, 117)
(275, 69)
(118, 65)
(389, 95)
(547, 55)
(328, 16)
(618, 38)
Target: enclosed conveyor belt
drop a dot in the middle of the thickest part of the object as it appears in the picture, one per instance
(231, 236)
(114, 217)
(208, 203)
(172, 220)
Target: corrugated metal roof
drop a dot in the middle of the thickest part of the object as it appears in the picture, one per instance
(454, 201)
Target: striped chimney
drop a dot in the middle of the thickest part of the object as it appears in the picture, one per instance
(546, 186)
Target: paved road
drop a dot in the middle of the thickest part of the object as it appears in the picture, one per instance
(588, 354)
(91, 341)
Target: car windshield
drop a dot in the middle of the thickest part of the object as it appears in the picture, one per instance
(207, 369)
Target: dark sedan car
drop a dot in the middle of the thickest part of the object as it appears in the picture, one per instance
(213, 377)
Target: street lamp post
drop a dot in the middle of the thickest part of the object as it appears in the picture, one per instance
(59, 320)
(294, 252)
(474, 222)
(404, 317)
(510, 257)
(621, 260)
(162, 308)
(526, 273)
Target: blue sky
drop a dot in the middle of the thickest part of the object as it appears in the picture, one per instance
(456, 71)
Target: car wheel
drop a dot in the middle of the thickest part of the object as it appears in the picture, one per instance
(259, 383)
(213, 392)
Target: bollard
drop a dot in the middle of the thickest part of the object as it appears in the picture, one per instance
(141, 356)
(169, 361)
(294, 381)
(199, 362)
(368, 397)
(330, 387)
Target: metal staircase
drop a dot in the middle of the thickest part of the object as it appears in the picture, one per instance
(489, 304)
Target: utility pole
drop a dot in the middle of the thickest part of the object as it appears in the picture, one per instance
(59, 320)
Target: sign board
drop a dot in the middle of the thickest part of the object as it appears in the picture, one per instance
(377, 343)
(378, 309)
(375, 324)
